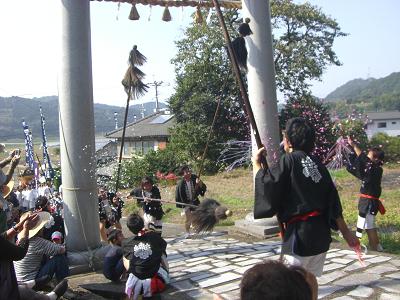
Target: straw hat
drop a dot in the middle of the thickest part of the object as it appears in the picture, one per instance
(44, 219)
(8, 188)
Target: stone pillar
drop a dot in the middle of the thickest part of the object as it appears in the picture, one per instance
(262, 96)
(77, 128)
(261, 76)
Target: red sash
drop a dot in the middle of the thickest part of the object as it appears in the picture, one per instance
(303, 217)
(381, 208)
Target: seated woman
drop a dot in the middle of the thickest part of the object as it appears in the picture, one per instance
(31, 267)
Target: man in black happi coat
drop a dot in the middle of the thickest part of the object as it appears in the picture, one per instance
(300, 191)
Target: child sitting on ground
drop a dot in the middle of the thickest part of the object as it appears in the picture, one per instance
(113, 266)
(57, 237)
(300, 191)
(368, 168)
(145, 260)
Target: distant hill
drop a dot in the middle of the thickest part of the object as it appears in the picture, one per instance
(370, 94)
(350, 90)
(14, 109)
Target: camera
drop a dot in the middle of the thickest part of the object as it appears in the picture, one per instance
(17, 152)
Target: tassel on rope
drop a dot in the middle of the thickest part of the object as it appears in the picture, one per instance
(166, 17)
(134, 15)
(198, 17)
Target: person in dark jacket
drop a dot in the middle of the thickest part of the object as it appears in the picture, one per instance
(152, 210)
(145, 258)
(368, 168)
(188, 190)
(300, 191)
(113, 266)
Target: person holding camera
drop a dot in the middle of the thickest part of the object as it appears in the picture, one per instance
(5, 178)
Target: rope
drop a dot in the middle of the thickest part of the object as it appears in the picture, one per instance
(211, 130)
(165, 201)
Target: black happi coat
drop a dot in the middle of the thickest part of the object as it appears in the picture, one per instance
(153, 208)
(370, 175)
(298, 185)
(144, 254)
(181, 195)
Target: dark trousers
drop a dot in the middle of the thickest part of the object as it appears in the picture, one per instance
(55, 266)
(114, 273)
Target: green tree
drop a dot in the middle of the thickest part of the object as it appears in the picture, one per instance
(203, 75)
(389, 144)
(303, 41)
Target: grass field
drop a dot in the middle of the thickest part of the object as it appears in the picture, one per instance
(235, 190)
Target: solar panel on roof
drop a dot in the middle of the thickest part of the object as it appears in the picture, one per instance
(161, 119)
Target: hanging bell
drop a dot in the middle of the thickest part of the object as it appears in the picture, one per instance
(134, 15)
(166, 15)
(198, 17)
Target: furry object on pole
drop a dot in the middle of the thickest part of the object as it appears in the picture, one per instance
(239, 45)
(132, 81)
(136, 58)
(208, 214)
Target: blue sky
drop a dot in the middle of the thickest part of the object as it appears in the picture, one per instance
(29, 56)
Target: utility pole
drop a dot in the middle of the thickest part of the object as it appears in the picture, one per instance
(156, 84)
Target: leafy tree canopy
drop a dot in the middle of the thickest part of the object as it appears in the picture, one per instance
(303, 41)
(303, 38)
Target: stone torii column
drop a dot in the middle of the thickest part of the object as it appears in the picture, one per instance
(261, 76)
(77, 134)
(262, 97)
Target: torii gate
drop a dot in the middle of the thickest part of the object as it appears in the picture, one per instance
(77, 136)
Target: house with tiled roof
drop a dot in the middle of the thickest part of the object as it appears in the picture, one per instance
(387, 122)
(143, 135)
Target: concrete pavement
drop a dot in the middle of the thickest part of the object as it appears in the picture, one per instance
(204, 265)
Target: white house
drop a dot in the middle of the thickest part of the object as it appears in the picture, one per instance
(143, 135)
(387, 122)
